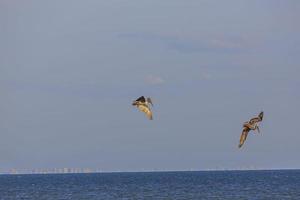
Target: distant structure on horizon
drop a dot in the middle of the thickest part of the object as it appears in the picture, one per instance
(64, 170)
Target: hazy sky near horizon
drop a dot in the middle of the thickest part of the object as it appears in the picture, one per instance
(70, 69)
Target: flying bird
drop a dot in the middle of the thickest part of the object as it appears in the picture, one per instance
(250, 125)
(144, 105)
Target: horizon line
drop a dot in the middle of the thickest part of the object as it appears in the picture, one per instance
(154, 171)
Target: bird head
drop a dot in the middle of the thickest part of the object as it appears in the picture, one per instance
(261, 115)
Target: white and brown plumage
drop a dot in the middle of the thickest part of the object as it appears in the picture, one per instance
(250, 125)
(144, 105)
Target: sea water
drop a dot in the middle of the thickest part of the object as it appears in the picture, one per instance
(231, 185)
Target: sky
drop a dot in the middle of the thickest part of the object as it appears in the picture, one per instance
(69, 71)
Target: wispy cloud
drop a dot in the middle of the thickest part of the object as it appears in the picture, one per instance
(226, 43)
(205, 76)
(154, 80)
(187, 44)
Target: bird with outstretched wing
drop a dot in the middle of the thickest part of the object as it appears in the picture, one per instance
(144, 106)
(252, 124)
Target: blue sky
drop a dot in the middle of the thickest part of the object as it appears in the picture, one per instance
(69, 71)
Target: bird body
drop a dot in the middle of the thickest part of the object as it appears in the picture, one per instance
(252, 124)
(144, 106)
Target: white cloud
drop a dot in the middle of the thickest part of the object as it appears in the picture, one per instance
(226, 43)
(205, 76)
(154, 80)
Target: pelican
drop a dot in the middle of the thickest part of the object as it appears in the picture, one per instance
(144, 105)
(250, 125)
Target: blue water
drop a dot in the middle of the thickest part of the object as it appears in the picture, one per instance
(278, 184)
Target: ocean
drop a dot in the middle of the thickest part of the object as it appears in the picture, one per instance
(231, 185)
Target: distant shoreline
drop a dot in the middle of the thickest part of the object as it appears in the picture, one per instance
(159, 171)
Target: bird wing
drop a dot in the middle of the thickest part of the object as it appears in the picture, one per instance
(149, 100)
(141, 99)
(146, 110)
(244, 136)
